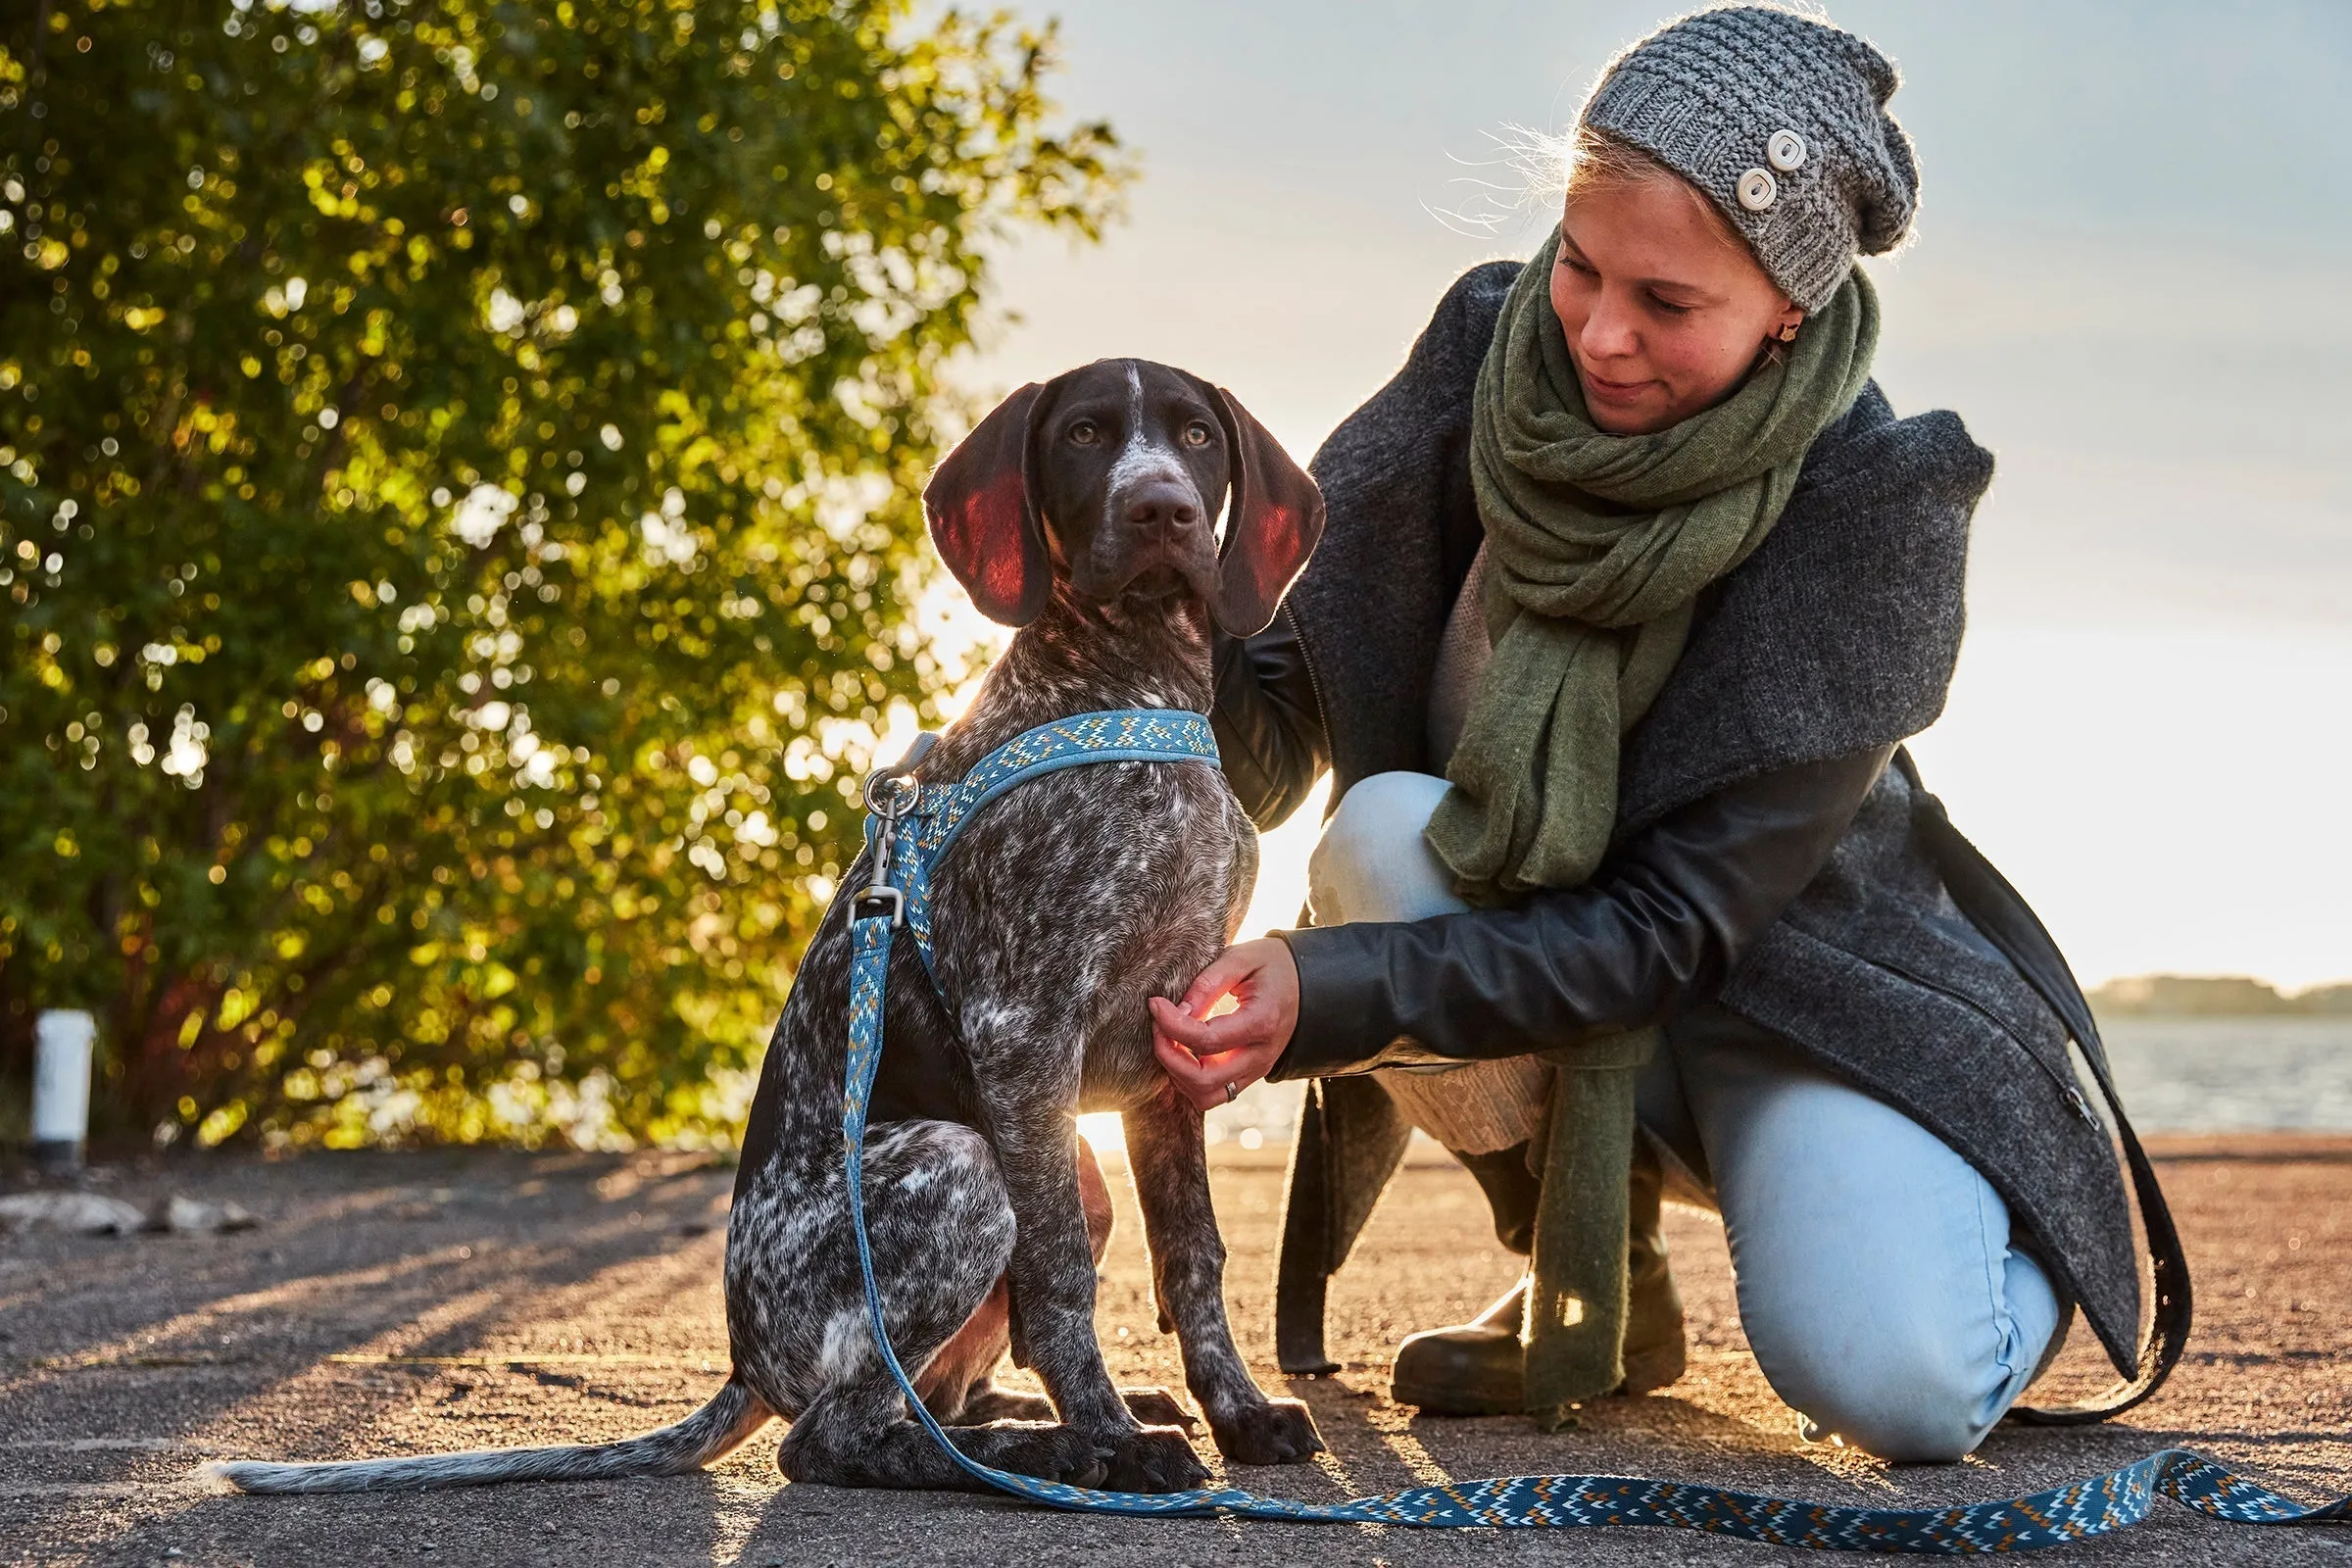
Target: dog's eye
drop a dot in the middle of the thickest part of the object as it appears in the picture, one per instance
(1196, 434)
(1085, 433)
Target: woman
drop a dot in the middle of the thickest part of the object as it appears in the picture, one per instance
(1633, 584)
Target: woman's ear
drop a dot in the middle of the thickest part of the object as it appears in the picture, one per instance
(1271, 527)
(982, 507)
(1784, 327)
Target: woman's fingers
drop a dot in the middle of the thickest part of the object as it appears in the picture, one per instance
(1199, 1083)
(1228, 1031)
(1210, 1059)
(1227, 971)
(1204, 1081)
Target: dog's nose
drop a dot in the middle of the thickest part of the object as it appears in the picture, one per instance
(1162, 507)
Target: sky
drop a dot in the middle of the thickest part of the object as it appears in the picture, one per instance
(2131, 275)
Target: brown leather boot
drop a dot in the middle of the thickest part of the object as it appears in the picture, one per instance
(1475, 1368)
(1479, 1367)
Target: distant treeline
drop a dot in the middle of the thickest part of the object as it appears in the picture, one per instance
(2209, 995)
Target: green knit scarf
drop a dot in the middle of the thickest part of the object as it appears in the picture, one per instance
(1597, 546)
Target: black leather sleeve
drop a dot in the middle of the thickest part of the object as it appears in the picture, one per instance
(1662, 924)
(1268, 724)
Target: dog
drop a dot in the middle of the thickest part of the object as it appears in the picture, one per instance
(1083, 512)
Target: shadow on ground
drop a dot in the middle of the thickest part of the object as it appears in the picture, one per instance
(414, 1303)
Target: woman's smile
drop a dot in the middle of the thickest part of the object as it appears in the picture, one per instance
(1599, 388)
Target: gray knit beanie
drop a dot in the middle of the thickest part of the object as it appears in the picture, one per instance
(1783, 123)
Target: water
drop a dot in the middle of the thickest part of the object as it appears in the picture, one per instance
(2233, 1074)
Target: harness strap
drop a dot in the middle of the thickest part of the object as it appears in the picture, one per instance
(2095, 1507)
(941, 810)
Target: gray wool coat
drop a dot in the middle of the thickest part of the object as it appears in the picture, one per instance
(1838, 635)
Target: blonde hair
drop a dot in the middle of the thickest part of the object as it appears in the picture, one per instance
(1591, 161)
(1550, 169)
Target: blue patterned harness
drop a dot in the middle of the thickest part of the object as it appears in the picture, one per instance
(909, 828)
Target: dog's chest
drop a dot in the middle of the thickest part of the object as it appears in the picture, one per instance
(1088, 864)
(1074, 897)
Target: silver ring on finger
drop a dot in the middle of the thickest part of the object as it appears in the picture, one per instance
(1233, 1090)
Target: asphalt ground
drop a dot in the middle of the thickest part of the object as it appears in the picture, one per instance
(403, 1303)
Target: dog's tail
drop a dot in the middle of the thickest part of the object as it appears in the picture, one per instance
(731, 1416)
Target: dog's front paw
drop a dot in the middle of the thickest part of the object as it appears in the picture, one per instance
(1277, 1431)
(1154, 1459)
(1050, 1453)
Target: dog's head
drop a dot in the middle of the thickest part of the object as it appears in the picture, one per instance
(1113, 477)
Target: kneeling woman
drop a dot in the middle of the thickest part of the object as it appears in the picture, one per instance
(1633, 585)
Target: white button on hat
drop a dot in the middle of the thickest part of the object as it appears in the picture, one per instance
(1786, 151)
(1758, 190)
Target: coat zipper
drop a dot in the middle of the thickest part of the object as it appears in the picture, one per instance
(2076, 1099)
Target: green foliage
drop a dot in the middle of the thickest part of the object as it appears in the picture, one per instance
(459, 523)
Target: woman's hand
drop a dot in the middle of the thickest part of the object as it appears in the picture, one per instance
(1210, 1059)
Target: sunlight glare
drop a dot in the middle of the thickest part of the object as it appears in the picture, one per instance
(1103, 1132)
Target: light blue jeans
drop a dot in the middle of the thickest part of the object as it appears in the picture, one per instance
(1876, 1278)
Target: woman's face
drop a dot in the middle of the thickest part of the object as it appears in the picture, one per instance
(1665, 315)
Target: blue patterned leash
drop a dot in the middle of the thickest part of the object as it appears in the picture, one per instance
(909, 826)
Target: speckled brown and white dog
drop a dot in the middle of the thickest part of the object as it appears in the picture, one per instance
(1081, 510)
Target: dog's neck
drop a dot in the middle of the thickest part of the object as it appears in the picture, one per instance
(1080, 657)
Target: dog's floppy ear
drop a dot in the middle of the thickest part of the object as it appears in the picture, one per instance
(981, 506)
(1271, 528)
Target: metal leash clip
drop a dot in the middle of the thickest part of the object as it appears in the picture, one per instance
(891, 794)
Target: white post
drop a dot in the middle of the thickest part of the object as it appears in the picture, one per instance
(60, 1087)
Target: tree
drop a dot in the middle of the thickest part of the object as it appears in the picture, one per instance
(459, 523)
